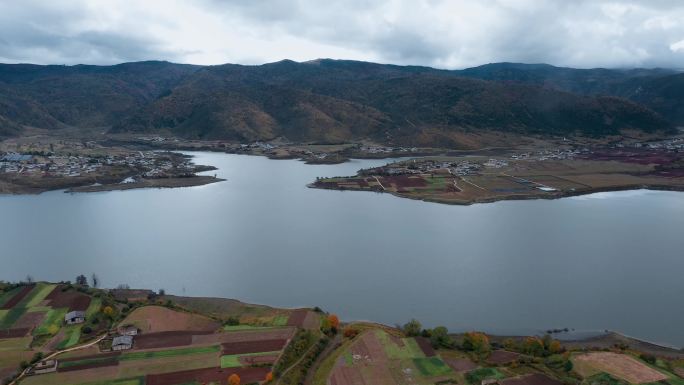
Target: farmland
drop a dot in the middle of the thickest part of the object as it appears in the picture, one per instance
(174, 345)
(473, 179)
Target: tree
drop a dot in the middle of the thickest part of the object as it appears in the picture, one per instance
(334, 321)
(269, 376)
(533, 346)
(95, 280)
(82, 280)
(108, 311)
(29, 279)
(440, 337)
(233, 379)
(555, 347)
(162, 292)
(476, 342)
(412, 328)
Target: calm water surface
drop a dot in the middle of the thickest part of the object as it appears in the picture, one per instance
(604, 261)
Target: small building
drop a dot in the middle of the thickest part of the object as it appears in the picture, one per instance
(74, 317)
(128, 330)
(122, 343)
(47, 366)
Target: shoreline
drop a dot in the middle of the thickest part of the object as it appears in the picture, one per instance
(519, 197)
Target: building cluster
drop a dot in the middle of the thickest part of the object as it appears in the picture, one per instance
(154, 164)
(386, 150)
(557, 154)
(674, 144)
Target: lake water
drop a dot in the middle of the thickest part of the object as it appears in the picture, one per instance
(604, 261)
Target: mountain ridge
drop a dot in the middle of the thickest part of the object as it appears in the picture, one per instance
(326, 100)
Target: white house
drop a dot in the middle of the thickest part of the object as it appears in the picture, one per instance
(74, 317)
(122, 343)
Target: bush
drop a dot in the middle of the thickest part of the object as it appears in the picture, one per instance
(86, 330)
(648, 358)
(233, 321)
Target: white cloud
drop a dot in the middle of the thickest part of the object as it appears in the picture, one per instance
(442, 33)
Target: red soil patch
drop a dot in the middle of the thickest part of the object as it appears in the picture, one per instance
(297, 317)
(502, 357)
(72, 300)
(30, 320)
(217, 375)
(403, 181)
(221, 338)
(17, 297)
(532, 379)
(253, 346)
(13, 333)
(89, 357)
(635, 156)
(304, 318)
(460, 364)
(258, 360)
(164, 339)
(425, 346)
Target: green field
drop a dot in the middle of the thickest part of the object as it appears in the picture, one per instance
(476, 376)
(4, 297)
(11, 317)
(73, 333)
(52, 322)
(67, 364)
(233, 360)
(169, 353)
(38, 294)
(394, 351)
(280, 320)
(432, 366)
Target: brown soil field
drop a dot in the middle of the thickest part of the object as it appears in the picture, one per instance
(621, 366)
(425, 346)
(460, 364)
(154, 319)
(163, 339)
(253, 346)
(531, 379)
(30, 320)
(217, 375)
(74, 377)
(304, 318)
(13, 333)
(371, 364)
(502, 357)
(220, 338)
(17, 297)
(72, 300)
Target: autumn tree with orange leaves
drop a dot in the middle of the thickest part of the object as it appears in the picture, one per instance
(269, 376)
(233, 379)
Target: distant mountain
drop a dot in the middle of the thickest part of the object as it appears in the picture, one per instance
(659, 89)
(82, 96)
(320, 101)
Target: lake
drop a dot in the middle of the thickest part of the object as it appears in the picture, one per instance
(603, 261)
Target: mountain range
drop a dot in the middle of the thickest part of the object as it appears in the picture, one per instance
(330, 101)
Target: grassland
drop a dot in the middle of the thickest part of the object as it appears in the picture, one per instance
(233, 360)
(168, 353)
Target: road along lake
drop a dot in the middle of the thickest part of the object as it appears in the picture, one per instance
(602, 261)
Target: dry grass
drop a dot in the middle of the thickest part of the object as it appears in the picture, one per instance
(154, 319)
(619, 365)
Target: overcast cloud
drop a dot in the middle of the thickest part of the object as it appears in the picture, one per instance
(445, 34)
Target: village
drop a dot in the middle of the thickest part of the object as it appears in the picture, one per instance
(151, 164)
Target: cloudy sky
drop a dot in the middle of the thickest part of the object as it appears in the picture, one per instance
(445, 34)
